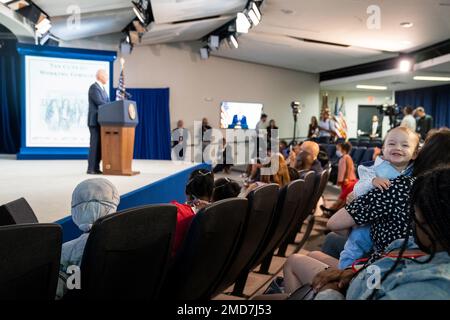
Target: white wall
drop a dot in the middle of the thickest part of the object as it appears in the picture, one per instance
(197, 86)
(355, 98)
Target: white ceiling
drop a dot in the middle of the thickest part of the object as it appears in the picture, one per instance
(277, 40)
(394, 80)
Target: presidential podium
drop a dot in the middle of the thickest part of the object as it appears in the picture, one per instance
(118, 120)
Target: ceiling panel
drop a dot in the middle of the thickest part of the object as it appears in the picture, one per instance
(59, 7)
(295, 54)
(92, 24)
(345, 21)
(188, 31)
(165, 11)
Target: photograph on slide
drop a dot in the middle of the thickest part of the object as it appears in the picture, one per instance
(57, 100)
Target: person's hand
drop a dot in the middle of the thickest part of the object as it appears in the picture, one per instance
(324, 278)
(200, 204)
(332, 279)
(381, 183)
(350, 197)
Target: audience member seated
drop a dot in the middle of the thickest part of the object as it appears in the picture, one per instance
(199, 190)
(280, 176)
(304, 157)
(387, 211)
(91, 200)
(427, 276)
(293, 174)
(225, 188)
(284, 149)
(346, 177)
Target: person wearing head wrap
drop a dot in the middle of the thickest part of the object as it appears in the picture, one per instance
(91, 200)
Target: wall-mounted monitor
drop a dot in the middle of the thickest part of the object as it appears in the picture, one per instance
(240, 115)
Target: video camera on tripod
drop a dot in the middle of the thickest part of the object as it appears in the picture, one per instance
(392, 111)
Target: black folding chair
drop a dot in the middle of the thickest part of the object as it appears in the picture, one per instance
(128, 253)
(29, 261)
(208, 249)
(261, 207)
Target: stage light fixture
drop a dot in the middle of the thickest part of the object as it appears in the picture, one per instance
(255, 9)
(126, 46)
(233, 41)
(214, 42)
(140, 9)
(204, 53)
(242, 23)
(43, 26)
(252, 15)
(405, 65)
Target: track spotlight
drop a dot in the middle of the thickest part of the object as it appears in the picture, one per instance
(213, 42)
(253, 17)
(233, 41)
(204, 53)
(43, 26)
(255, 9)
(141, 10)
(242, 23)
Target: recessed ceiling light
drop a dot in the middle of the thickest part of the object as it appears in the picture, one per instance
(407, 24)
(426, 78)
(361, 86)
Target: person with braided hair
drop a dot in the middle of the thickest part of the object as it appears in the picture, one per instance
(198, 190)
(388, 210)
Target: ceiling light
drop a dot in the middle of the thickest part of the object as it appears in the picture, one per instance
(43, 26)
(204, 53)
(214, 42)
(242, 23)
(361, 86)
(405, 65)
(406, 24)
(253, 17)
(232, 39)
(427, 78)
(255, 8)
(141, 11)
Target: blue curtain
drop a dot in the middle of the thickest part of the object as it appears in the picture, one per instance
(435, 100)
(152, 140)
(9, 101)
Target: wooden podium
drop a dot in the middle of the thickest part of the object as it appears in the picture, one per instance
(118, 120)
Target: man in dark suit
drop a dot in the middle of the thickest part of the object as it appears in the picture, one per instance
(98, 95)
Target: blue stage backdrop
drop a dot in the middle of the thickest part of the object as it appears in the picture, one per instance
(152, 140)
(435, 100)
(9, 98)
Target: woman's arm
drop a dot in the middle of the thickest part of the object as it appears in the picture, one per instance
(341, 221)
(377, 204)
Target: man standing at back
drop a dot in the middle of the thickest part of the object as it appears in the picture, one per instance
(424, 122)
(98, 95)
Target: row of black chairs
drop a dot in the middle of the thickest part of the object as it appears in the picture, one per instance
(128, 254)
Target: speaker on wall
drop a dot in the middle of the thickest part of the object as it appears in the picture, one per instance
(17, 212)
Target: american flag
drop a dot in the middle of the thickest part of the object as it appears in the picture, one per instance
(121, 92)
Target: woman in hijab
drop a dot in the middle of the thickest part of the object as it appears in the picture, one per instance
(91, 200)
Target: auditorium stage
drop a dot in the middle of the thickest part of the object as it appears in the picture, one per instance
(48, 184)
